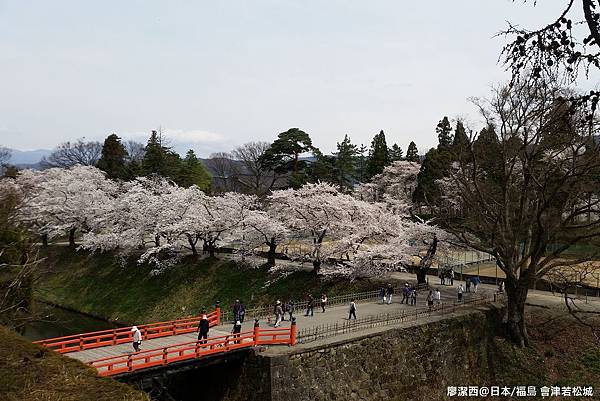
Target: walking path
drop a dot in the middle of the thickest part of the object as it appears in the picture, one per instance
(331, 315)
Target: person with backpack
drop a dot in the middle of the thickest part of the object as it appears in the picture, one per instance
(460, 292)
(352, 310)
(389, 291)
(203, 327)
(476, 281)
(137, 338)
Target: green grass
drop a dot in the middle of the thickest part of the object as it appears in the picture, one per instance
(30, 373)
(97, 284)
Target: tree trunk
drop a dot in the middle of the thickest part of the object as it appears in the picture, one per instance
(425, 263)
(157, 240)
(72, 237)
(316, 267)
(45, 240)
(271, 255)
(210, 247)
(192, 245)
(516, 292)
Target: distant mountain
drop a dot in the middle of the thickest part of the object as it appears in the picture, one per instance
(28, 157)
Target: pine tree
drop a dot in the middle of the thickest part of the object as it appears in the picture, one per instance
(283, 156)
(193, 172)
(433, 168)
(444, 131)
(395, 153)
(345, 161)
(361, 163)
(159, 159)
(412, 154)
(379, 157)
(113, 158)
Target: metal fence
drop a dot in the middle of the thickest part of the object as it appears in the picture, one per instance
(385, 319)
(266, 311)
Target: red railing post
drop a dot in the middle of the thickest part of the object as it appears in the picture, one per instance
(129, 363)
(256, 334)
(164, 356)
(114, 337)
(293, 332)
(218, 310)
(81, 342)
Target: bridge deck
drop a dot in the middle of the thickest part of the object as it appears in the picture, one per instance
(331, 315)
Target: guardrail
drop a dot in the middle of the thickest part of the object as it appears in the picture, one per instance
(193, 350)
(95, 339)
(383, 319)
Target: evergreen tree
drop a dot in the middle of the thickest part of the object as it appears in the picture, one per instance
(434, 167)
(460, 143)
(346, 155)
(193, 172)
(283, 156)
(412, 154)
(159, 159)
(444, 131)
(379, 157)
(113, 158)
(395, 153)
(361, 163)
(323, 169)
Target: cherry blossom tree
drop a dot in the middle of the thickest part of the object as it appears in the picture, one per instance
(65, 200)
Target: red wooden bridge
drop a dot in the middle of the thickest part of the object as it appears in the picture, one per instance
(109, 351)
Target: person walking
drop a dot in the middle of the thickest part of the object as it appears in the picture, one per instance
(476, 282)
(242, 312)
(137, 338)
(323, 302)
(405, 293)
(278, 313)
(389, 291)
(352, 310)
(310, 305)
(451, 276)
(460, 292)
(442, 277)
(289, 308)
(437, 296)
(501, 287)
(382, 295)
(468, 285)
(237, 328)
(430, 300)
(203, 327)
(236, 310)
(413, 296)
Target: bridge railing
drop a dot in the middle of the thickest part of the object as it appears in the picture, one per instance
(95, 339)
(383, 319)
(265, 311)
(192, 350)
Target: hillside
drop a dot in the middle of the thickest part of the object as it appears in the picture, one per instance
(99, 285)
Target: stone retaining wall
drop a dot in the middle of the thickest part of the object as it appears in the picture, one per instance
(415, 363)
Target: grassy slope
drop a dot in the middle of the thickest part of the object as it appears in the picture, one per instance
(98, 284)
(29, 373)
(563, 353)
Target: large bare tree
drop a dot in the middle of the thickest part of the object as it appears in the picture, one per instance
(69, 154)
(255, 177)
(525, 189)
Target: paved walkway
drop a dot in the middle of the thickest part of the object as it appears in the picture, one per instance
(331, 315)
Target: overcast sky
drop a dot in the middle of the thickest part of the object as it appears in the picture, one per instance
(216, 74)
